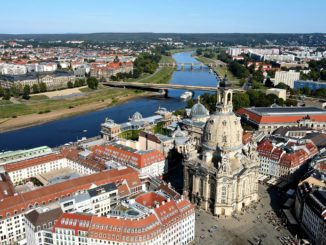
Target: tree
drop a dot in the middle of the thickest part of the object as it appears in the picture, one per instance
(6, 94)
(269, 83)
(15, 90)
(26, 92)
(2, 92)
(136, 73)
(92, 82)
(70, 84)
(238, 70)
(323, 75)
(199, 51)
(257, 85)
(35, 88)
(306, 91)
(282, 86)
(258, 76)
(43, 87)
(321, 92)
(240, 100)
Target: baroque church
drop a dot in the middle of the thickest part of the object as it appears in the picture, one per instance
(222, 174)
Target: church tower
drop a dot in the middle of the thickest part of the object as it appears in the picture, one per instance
(223, 178)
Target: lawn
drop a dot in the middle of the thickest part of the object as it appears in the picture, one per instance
(41, 106)
(163, 75)
(39, 97)
(167, 59)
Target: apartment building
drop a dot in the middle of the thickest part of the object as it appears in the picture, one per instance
(152, 218)
(14, 207)
(286, 77)
(147, 162)
(281, 160)
(96, 201)
(38, 224)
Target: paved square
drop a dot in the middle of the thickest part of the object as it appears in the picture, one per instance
(254, 224)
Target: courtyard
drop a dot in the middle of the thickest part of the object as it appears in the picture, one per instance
(258, 224)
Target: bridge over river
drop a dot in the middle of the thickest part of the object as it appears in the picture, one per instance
(160, 87)
(188, 64)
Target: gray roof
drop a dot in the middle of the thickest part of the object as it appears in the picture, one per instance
(39, 218)
(198, 111)
(127, 148)
(286, 111)
(193, 123)
(103, 188)
(283, 130)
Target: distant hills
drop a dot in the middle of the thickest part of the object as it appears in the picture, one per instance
(229, 38)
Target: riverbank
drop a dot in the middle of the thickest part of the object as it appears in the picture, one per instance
(23, 121)
(49, 106)
(221, 69)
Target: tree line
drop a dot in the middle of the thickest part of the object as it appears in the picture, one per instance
(250, 98)
(144, 63)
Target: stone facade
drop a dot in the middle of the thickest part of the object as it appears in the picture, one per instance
(224, 177)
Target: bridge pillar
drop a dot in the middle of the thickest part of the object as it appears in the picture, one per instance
(166, 93)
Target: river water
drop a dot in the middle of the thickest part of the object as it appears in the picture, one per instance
(70, 129)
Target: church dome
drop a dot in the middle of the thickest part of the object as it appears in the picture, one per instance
(199, 111)
(136, 117)
(180, 136)
(223, 129)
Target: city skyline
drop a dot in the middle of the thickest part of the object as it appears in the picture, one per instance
(163, 17)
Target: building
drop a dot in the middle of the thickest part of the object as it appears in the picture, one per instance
(53, 80)
(283, 159)
(150, 141)
(312, 85)
(15, 156)
(314, 216)
(280, 93)
(149, 162)
(152, 218)
(195, 123)
(268, 119)
(286, 77)
(12, 69)
(261, 66)
(106, 70)
(224, 177)
(38, 224)
(110, 130)
(68, 158)
(96, 201)
(14, 207)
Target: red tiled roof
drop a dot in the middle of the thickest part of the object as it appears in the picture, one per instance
(246, 137)
(51, 192)
(146, 227)
(259, 119)
(10, 167)
(150, 199)
(129, 157)
(168, 213)
(76, 222)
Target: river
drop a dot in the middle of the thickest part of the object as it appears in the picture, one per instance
(70, 129)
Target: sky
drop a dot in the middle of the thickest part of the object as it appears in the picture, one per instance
(163, 16)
